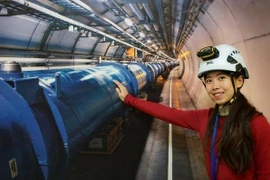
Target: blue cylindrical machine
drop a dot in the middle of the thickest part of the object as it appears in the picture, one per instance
(47, 116)
(19, 131)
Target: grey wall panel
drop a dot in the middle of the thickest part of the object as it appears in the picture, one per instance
(120, 52)
(21, 32)
(36, 38)
(112, 50)
(85, 45)
(101, 48)
(61, 41)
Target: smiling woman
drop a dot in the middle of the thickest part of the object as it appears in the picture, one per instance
(235, 135)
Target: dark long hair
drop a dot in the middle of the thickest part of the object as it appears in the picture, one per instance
(236, 143)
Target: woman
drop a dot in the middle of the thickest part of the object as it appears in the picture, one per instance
(235, 136)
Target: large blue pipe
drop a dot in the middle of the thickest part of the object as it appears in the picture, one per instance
(47, 116)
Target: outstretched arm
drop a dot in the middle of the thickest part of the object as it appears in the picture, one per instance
(188, 119)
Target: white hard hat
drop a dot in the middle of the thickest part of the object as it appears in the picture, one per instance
(222, 57)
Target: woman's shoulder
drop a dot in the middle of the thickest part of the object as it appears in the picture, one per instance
(258, 119)
(259, 124)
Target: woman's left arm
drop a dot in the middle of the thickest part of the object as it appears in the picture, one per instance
(261, 156)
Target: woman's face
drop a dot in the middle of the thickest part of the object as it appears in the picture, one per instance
(219, 86)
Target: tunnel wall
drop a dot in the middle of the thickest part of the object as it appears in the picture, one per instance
(240, 23)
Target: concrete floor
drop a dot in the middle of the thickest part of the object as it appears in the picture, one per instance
(188, 159)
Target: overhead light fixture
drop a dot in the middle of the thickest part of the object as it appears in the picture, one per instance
(128, 22)
(89, 34)
(142, 34)
(112, 43)
(70, 28)
(3, 11)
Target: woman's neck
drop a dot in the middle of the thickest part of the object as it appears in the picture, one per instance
(223, 110)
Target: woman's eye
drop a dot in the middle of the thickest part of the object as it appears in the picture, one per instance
(208, 81)
(221, 77)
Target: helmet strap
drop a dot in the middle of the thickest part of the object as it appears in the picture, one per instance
(232, 100)
(203, 82)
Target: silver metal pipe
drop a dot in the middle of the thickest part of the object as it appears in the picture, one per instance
(44, 60)
(150, 14)
(139, 14)
(148, 11)
(137, 11)
(190, 21)
(37, 68)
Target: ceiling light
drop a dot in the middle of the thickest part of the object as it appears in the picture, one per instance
(3, 11)
(89, 34)
(142, 34)
(128, 22)
(70, 28)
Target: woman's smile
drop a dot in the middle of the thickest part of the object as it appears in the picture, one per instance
(218, 95)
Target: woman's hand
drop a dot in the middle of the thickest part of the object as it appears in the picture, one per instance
(121, 90)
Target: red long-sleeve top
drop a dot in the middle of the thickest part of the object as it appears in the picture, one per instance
(198, 119)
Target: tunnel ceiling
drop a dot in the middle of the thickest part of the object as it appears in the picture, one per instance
(68, 28)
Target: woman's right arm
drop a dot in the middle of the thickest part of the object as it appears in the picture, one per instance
(189, 119)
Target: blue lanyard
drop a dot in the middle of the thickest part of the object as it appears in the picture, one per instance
(214, 159)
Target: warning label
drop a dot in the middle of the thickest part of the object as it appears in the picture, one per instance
(13, 168)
